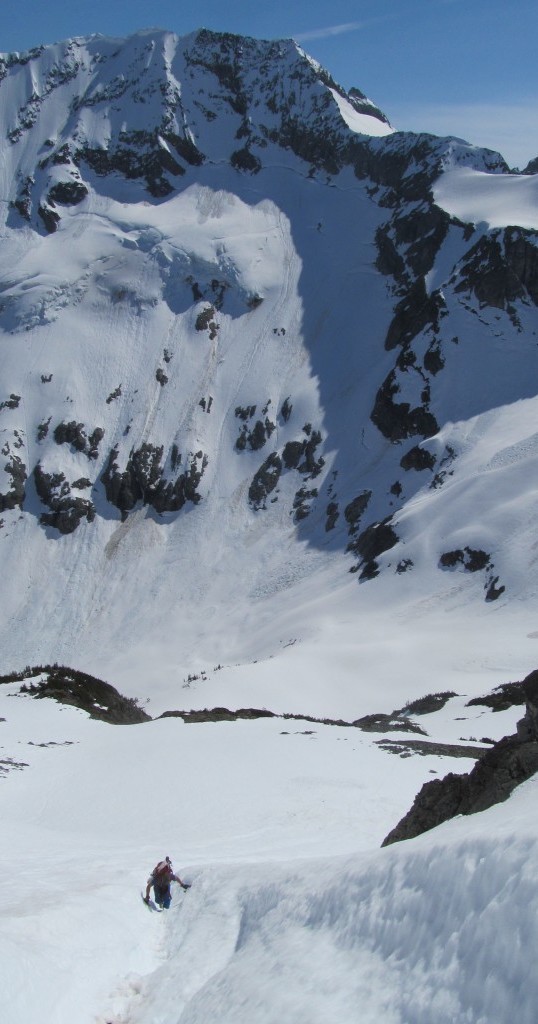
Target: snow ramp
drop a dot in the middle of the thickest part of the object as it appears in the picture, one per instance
(437, 930)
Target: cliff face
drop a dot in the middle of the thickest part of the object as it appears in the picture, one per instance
(494, 777)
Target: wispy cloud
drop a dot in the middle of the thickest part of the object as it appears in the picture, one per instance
(355, 26)
(330, 30)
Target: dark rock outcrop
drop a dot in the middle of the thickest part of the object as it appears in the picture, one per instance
(49, 217)
(507, 695)
(416, 311)
(302, 503)
(256, 438)
(137, 154)
(388, 723)
(474, 560)
(205, 321)
(417, 458)
(286, 410)
(68, 193)
(99, 699)
(425, 748)
(371, 543)
(143, 480)
(471, 559)
(66, 512)
(74, 434)
(332, 513)
(219, 715)
(355, 509)
(244, 160)
(399, 420)
(12, 402)
(503, 767)
(265, 481)
(14, 498)
(428, 704)
(500, 268)
(301, 455)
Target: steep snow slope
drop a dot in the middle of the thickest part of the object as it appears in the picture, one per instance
(293, 912)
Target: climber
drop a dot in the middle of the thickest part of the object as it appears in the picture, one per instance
(160, 878)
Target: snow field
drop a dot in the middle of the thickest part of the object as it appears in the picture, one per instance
(493, 200)
(267, 819)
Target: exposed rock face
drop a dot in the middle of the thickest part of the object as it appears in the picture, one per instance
(371, 543)
(143, 480)
(68, 193)
(474, 560)
(527, 728)
(407, 747)
(501, 268)
(75, 434)
(400, 420)
(508, 763)
(66, 511)
(388, 723)
(333, 515)
(265, 481)
(417, 458)
(11, 403)
(301, 455)
(507, 695)
(416, 314)
(471, 559)
(302, 502)
(354, 511)
(137, 155)
(256, 438)
(14, 498)
(219, 715)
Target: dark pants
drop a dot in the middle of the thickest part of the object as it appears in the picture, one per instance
(163, 896)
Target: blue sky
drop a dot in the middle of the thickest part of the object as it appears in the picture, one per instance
(463, 67)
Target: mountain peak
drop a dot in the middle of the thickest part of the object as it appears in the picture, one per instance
(150, 106)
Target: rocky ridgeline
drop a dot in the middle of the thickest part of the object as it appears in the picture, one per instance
(271, 93)
(78, 689)
(494, 777)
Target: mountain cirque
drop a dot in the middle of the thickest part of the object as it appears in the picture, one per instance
(232, 295)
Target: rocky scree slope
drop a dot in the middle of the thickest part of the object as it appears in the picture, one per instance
(226, 283)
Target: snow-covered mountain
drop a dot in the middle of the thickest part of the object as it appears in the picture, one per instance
(254, 339)
(268, 432)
